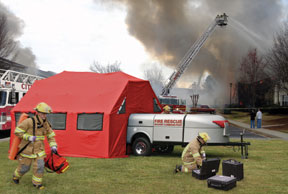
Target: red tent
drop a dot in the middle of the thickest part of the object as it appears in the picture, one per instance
(90, 110)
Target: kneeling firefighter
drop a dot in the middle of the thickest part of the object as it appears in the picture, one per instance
(32, 132)
(193, 154)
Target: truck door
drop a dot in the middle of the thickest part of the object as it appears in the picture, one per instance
(168, 127)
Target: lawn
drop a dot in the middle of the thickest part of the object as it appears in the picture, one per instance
(266, 171)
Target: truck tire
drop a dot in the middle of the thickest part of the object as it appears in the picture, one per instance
(164, 149)
(141, 147)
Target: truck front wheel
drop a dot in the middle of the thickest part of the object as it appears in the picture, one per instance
(141, 147)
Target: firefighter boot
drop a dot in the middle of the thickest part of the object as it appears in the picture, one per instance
(177, 169)
(15, 180)
(40, 187)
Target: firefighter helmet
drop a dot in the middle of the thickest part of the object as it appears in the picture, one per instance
(204, 136)
(167, 108)
(43, 108)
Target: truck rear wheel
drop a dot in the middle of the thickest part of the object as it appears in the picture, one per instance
(141, 147)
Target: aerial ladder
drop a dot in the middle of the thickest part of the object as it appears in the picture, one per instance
(220, 20)
(10, 76)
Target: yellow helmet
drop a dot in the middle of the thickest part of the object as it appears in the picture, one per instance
(204, 136)
(167, 108)
(43, 108)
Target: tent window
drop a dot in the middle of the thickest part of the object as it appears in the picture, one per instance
(57, 120)
(156, 106)
(122, 109)
(90, 122)
(18, 114)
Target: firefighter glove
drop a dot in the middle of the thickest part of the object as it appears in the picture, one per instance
(32, 138)
(54, 149)
(204, 156)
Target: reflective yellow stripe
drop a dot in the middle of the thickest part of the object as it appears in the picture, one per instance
(40, 154)
(189, 163)
(19, 130)
(186, 169)
(29, 156)
(40, 137)
(36, 179)
(65, 168)
(17, 174)
(26, 136)
(51, 135)
(51, 144)
(196, 155)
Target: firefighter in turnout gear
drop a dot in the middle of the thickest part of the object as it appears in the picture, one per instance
(166, 110)
(34, 153)
(193, 154)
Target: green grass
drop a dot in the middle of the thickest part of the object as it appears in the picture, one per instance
(266, 171)
(243, 117)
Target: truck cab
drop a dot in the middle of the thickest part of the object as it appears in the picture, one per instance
(177, 105)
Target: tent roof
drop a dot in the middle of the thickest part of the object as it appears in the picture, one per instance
(78, 91)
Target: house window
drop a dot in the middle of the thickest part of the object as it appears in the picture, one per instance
(285, 100)
(156, 106)
(57, 120)
(90, 122)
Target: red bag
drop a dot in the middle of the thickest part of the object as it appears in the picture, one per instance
(56, 163)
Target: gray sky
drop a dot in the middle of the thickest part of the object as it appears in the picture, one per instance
(71, 34)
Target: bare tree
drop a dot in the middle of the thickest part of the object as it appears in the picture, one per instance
(154, 74)
(155, 77)
(278, 59)
(252, 71)
(98, 68)
(7, 44)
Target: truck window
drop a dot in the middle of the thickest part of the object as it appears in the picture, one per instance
(182, 102)
(3, 96)
(13, 97)
(174, 101)
(90, 122)
(57, 120)
(169, 101)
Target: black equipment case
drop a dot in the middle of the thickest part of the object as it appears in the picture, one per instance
(233, 168)
(222, 182)
(209, 168)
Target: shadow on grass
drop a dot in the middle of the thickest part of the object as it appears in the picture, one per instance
(170, 155)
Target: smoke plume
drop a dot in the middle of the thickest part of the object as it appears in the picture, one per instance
(168, 28)
(21, 55)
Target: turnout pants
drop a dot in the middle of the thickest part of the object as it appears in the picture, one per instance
(188, 166)
(24, 166)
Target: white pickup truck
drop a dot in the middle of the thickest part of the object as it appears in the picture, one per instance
(163, 131)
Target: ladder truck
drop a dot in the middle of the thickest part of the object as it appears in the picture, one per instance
(220, 20)
(13, 86)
